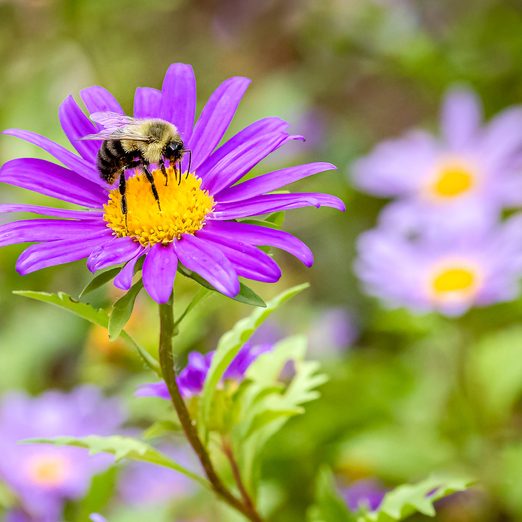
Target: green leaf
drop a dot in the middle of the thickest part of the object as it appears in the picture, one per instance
(91, 314)
(264, 404)
(229, 346)
(122, 310)
(416, 498)
(63, 300)
(161, 428)
(122, 448)
(99, 280)
(246, 295)
(329, 506)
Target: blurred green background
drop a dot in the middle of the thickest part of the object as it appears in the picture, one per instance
(413, 394)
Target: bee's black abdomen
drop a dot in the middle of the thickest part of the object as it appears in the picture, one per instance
(111, 160)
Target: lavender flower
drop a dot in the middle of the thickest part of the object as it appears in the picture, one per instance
(464, 177)
(192, 378)
(142, 483)
(198, 226)
(45, 477)
(448, 274)
(331, 332)
(367, 493)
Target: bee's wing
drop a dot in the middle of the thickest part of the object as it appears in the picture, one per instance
(117, 127)
(112, 119)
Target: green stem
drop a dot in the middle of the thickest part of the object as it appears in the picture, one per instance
(166, 312)
(227, 449)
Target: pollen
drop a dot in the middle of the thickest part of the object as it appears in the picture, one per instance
(48, 470)
(184, 207)
(452, 180)
(454, 280)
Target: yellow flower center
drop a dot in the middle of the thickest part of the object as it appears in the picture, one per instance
(49, 470)
(184, 208)
(452, 180)
(454, 281)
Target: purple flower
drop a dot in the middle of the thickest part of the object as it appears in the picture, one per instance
(95, 517)
(466, 176)
(331, 332)
(192, 378)
(44, 477)
(199, 224)
(367, 493)
(444, 273)
(143, 483)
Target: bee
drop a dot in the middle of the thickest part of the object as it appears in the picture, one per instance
(133, 142)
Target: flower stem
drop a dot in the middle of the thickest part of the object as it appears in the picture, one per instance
(166, 312)
(227, 449)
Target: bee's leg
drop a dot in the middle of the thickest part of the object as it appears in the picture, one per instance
(189, 152)
(123, 192)
(150, 179)
(178, 171)
(164, 171)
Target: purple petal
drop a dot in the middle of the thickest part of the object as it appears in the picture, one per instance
(240, 161)
(251, 133)
(28, 231)
(123, 280)
(502, 138)
(120, 250)
(76, 125)
(461, 118)
(275, 203)
(159, 271)
(147, 102)
(99, 99)
(272, 181)
(247, 260)
(211, 264)
(153, 389)
(215, 118)
(178, 101)
(263, 236)
(53, 253)
(52, 180)
(72, 161)
(55, 212)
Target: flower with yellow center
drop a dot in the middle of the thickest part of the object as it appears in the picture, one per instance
(184, 207)
(454, 281)
(48, 470)
(452, 179)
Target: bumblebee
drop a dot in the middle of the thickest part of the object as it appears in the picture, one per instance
(132, 142)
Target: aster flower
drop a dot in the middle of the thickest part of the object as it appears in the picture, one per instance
(45, 477)
(192, 378)
(366, 493)
(197, 226)
(465, 176)
(141, 483)
(448, 274)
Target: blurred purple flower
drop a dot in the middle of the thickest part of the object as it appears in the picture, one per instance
(209, 239)
(366, 493)
(192, 378)
(448, 273)
(44, 477)
(143, 483)
(470, 173)
(331, 332)
(95, 517)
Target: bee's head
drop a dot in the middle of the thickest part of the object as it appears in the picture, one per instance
(174, 151)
